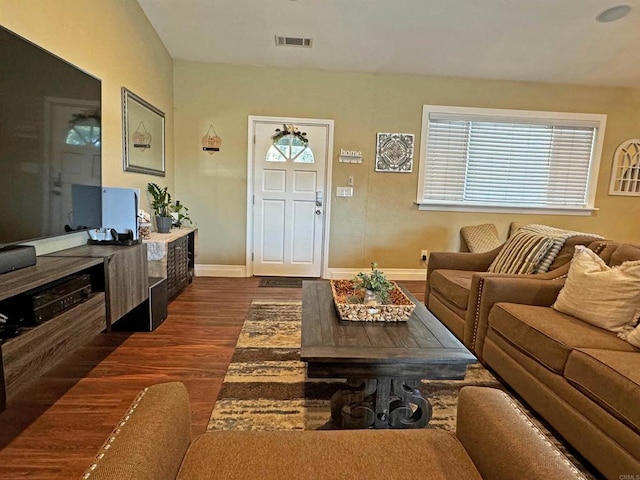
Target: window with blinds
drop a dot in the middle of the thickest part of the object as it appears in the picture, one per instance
(496, 160)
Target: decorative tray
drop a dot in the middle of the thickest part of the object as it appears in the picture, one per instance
(349, 304)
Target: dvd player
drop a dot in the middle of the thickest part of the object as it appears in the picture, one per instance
(42, 304)
(60, 297)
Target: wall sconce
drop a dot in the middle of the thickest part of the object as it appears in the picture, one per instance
(211, 142)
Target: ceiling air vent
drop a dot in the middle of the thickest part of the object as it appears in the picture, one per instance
(284, 41)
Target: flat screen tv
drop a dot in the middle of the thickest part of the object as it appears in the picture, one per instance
(50, 144)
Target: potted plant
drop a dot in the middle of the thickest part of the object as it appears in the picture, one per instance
(161, 203)
(180, 214)
(375, 284)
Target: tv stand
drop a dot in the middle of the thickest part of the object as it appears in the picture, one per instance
(39, 347)
(3, 393)
(172, 256)
(118, 284)
(125, 275)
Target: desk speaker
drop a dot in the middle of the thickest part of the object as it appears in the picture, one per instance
(147, 316)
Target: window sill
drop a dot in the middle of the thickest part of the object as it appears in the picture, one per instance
(440, 207)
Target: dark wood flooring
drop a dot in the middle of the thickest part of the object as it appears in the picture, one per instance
(55, 426)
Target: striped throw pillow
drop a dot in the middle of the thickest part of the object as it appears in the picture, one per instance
(522, 253)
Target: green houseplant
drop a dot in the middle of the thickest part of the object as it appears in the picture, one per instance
(374, 283)
(161, 203)
(180, 214)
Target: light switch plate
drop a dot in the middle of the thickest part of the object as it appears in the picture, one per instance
(344, 192)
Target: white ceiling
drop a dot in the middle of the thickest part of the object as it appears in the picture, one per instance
(555, 41)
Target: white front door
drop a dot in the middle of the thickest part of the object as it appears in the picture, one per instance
(289, 197)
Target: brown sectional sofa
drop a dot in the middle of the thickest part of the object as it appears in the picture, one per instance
(494, 439)
(585, 381)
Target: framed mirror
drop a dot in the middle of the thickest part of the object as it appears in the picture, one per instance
(143, 135)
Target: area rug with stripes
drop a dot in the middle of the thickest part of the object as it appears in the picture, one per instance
(265, 387)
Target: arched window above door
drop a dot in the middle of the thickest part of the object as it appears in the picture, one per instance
(85, 131)
(290, 145)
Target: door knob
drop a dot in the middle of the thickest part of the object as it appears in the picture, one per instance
(318, 212)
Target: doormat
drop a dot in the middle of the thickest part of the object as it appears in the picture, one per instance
(266, 388)
(281, 282)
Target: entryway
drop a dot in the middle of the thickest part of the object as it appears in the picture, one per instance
(289, 176)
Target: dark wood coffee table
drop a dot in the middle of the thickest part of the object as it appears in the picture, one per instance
(382, 362)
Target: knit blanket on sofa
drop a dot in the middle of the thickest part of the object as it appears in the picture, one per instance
(559, 237)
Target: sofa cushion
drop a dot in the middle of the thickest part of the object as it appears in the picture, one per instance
(453, 285)
(596, 293)
(232, 455)
(568, 249)
(625, 253)
(603, 248)
(521, 253)
(610, 378)
(547, 335)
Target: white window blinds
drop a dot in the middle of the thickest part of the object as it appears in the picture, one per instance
(495, 158)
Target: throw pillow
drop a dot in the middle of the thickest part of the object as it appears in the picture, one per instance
(515, 226)
(521, 253)
(632, 336)
(560, 237)
(607, 297)
(480, 238)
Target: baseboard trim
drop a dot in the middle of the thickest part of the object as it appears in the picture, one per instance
(236, 271)
(416, 274)
(240, 271)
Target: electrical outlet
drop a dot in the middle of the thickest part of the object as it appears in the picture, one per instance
(424, 255)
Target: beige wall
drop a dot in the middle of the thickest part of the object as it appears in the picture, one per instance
(381, 221)
(114, 41)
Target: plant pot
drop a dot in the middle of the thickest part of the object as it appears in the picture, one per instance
(370, 298)
(163, 224)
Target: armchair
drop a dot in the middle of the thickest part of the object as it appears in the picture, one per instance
(455, 283)
(494, 439)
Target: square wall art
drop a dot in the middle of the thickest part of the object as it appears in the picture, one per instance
(394, 152)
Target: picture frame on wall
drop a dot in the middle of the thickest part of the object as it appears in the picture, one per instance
(143, 135)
